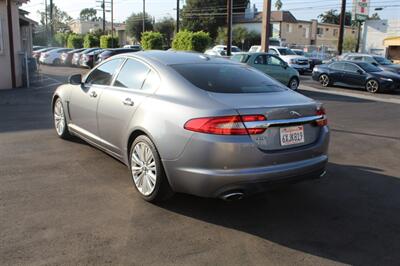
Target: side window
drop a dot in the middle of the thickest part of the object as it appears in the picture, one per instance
(368, 59)
(104, 73)
(152, 81)
(260, 60)
(337, 66)
(272, 51)
(132, 75)
(272, 60)
(350, 68)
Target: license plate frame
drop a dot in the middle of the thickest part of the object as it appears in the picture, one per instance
(293, 135)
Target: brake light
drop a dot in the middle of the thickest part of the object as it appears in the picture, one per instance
(225, 125)
(322, 112)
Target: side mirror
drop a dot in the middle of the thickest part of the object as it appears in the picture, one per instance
(285, 65)
(359, 71)
(75, 79)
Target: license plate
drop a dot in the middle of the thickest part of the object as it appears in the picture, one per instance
(292, 135)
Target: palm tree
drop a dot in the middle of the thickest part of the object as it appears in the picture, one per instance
(278, 4)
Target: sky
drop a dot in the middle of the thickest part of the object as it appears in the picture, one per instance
(301, 9)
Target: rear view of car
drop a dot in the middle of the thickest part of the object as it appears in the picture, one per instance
(77, 56)
(66, 57)
(88, 60)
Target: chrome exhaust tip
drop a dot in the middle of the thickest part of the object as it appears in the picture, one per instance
(323, 174)
(232, 196)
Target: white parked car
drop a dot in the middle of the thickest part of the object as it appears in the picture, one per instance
(298, 62)
(133, 46)
(222, 49)
(53, 57)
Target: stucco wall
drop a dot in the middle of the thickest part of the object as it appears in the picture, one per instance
(5, 64)
(375, 31)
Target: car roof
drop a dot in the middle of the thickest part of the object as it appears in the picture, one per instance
(178, 57)
(279, 47)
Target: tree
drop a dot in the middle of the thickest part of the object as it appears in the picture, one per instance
(349, 44)
(278, 5)
(152, 40)
(333, 17)
(166, 27)
(88, 14)
(374, 16)
(205, 15)
(60, 19)
(241, 37)
(134, 25)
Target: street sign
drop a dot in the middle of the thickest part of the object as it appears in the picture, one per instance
(360, 10)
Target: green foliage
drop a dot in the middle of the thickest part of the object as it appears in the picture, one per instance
(75, 41)
(349, 44)
(200, 15)
(166, 27)
(332, 17)
(60, 19)
(241, 37)
(152, 40)
(278, 5)
(88, 14)
(60, 39)
(40, 38)
(191, 41)
(90, 41)
(106, 41)
(134, 25)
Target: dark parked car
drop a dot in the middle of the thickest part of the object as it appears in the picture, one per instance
(88, 60)
(110, 52)
(376, 60)
(77, 56)
(66, 58)
(356, 74)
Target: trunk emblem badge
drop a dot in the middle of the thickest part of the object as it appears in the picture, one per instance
(294, 113)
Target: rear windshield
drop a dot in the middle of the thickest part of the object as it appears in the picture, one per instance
(227, 78)
(369, 67)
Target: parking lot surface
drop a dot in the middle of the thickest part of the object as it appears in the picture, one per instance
(65, 202)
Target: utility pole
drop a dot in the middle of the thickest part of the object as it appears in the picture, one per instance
(112, 23)
(266, 25)
(341, 30)
(46, 21)
(51, 21)
(144, 16)
(177, 16)
(229, 21)
(359, 23)
(9, 4)
(103, 5)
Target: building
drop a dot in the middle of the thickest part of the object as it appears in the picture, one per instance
(293, 32)
(15, 41)
(82, 27)
(379, 37)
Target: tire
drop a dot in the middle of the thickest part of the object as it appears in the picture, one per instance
(147, 171)
(60, 122)
(372, 86)
(294, 84)
(324, 80)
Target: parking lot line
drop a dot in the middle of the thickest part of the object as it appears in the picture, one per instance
(351, 94)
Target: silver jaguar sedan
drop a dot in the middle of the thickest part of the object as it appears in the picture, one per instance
(186, 122)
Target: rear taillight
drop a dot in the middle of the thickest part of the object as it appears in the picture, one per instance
(225, 125)
(324, 120)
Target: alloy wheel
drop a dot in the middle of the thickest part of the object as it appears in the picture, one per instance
(372, 86)
(324, 80)
(143, 167)
(294, 84)
(59, 117)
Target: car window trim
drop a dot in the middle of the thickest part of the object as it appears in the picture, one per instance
(350, 63)
(94, 69)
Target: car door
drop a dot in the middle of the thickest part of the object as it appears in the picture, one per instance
(336, 72)
(84, 100)
(119, 102)
(353, 75)
(276, 66)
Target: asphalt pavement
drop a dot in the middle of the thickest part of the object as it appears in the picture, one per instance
(65, 202)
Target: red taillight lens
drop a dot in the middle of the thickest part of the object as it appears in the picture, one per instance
(322, 112)
(225, 125)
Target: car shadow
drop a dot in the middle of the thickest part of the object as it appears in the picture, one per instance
(352, 216)
(321, 96)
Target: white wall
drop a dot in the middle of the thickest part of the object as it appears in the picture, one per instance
(374, 33)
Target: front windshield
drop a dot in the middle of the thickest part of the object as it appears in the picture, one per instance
(286, 51)
(382, 61)
(369, 67)
(299, 52)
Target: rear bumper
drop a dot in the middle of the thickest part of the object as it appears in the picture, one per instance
(212, 170)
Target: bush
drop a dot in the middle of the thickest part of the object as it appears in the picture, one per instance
(60, 39)
(191, 41)
(106, 41)
(90, 41)
(152, 40)
(75, 41)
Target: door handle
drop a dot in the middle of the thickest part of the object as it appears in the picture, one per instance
(93, 94)
(128, 102)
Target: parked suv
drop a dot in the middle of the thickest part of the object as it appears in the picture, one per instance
(376, 60)
(298, 62)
